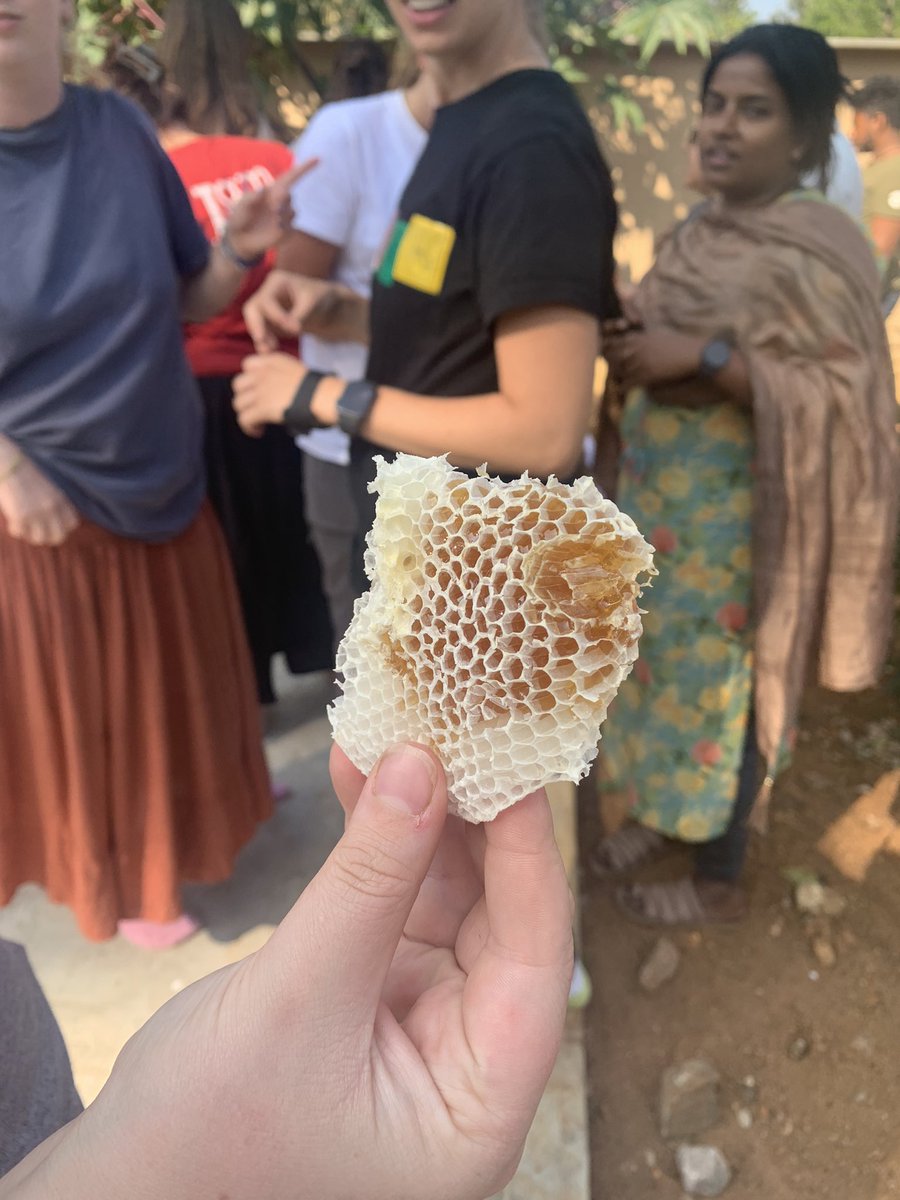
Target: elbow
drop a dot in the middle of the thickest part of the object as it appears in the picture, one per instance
(557, 455)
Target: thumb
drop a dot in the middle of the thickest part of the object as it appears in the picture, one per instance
(341, 936)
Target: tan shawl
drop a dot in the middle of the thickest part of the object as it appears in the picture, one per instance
(797, 285)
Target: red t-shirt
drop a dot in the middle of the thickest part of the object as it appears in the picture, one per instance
(216, 171)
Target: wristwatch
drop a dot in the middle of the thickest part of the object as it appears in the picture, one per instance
(355, 405)
(716, 356)
(299, 417)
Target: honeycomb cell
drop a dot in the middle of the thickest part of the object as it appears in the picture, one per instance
(501, 620)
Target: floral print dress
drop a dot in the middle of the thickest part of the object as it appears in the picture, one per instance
(675, 734)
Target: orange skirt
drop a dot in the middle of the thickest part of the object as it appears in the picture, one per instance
(130, 751)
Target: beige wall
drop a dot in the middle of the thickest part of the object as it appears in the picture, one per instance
(649, 165)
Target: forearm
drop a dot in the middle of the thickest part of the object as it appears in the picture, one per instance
(688, 387)
(207, 294)
(350, 322)
(473, 430)
(10, 454)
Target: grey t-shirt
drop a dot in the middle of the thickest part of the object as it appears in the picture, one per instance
(96, 235)
(37, 1095)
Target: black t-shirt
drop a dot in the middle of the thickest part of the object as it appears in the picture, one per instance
(510, 207)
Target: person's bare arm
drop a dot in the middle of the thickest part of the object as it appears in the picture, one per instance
(256, 223)
(535, 421)
(33, 508)
(205, 295)
(288, 304)
(667, 363)
(886, 236)
(307, 255)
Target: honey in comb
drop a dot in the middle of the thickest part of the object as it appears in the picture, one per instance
(501, 621)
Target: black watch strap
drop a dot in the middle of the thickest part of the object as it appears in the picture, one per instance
(355, 405)
(299, 417)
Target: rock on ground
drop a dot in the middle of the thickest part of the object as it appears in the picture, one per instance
(689, 1099)
(703, 1170)
(817, 900)
(660, 965)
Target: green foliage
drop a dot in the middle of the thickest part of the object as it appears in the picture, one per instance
(609, 25)
(682, 22)
(848, 18)
(279, 27)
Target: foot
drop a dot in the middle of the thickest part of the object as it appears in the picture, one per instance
(625, 850)
(682, 903)
(159, 935)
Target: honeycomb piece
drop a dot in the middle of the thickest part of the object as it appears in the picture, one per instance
(501, 621)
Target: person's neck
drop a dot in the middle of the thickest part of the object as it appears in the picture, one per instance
(28, 96)
(422, 99)
(173, 136)
(888, 146)
(458, 77)
(760, 199)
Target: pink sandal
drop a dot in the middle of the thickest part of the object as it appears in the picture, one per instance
(159, 935)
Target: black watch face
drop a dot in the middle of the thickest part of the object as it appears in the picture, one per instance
(354, 405)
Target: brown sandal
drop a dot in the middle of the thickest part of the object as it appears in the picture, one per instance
(625, 850)
(682, 903)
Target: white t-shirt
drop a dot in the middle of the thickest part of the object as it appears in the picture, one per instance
(845, 185)
(367, 150)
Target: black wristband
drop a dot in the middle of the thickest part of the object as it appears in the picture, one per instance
(299, 417)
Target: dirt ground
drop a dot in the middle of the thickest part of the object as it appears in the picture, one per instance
(809, 1053)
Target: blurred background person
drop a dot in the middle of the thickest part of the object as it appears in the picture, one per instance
(841, 182)
(484, 319)
(210, 124)
(758, 455)
(131, 758)
(367, 146)
(876, 131)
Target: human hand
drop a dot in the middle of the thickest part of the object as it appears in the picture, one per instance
(647, 357)
(265, 389)
(34, 508)
(391, 1040)
(260, 218)
(287, 305)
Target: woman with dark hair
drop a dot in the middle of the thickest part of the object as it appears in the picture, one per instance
(210, 128)
(759, 457)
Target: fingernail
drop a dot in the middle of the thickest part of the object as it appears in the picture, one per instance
(405, 779)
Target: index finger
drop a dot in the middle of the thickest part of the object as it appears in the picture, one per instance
(516, 994)
(266, 319)
(284, 183)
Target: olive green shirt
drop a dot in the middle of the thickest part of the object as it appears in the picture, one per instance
(882, 199)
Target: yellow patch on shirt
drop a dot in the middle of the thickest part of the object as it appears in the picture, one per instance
(424, 255)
